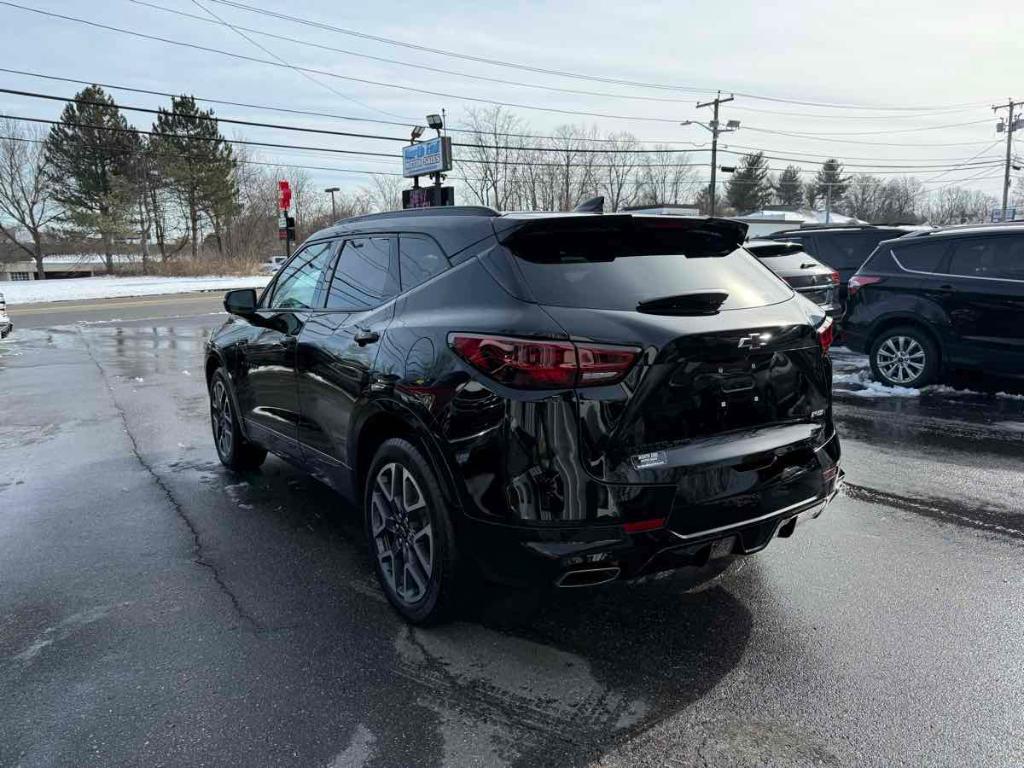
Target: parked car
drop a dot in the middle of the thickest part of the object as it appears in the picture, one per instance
(6, 326)
(843, 248)
(933, 302)
(560, 399)
(271, 265)
(808, 276)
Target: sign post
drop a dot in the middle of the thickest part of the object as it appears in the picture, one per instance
(285, 223)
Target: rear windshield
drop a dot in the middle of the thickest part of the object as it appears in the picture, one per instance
(596, 271)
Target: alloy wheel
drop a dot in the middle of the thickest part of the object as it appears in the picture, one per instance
(901, 359)
(220, 416)
(402, 532)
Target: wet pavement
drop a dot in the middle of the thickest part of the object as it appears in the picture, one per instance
(156, 609)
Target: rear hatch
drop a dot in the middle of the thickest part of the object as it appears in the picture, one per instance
(809, 277)
(731, 379)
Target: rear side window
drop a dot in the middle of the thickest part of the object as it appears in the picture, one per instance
(846, 250)
(991, 257)
(600, 270)
(923, 257)
(420, 259)
(364, 277)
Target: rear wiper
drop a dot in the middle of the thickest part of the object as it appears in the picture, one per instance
(697, 303)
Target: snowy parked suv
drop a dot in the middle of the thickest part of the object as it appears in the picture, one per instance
(6, 326)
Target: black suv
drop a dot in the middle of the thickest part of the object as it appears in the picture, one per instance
(557, 398)
(938, 301)
(844, 248)
(807, 276)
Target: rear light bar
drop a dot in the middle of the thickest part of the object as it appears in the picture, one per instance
(642, 526)
(859, 281)
(826, 334)
(539, 364)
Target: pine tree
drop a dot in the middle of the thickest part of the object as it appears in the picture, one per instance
(748, 189)
(788, 188)
(196, 164)
(89, 155)
(830, 182)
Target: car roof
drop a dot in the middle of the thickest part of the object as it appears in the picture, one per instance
(962, 230)
(839, 228)
(458, 227)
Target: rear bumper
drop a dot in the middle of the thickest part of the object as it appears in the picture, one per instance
(595, 554)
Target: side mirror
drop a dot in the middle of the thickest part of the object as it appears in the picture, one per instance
(241, 302)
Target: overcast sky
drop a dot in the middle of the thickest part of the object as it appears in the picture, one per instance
(954, 58)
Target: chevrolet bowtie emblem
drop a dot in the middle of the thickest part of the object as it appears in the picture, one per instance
(754, 341)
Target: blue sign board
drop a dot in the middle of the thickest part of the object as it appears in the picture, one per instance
(430, 156)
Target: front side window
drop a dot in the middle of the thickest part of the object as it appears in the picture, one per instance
(420, 259)
(991, 257)
(296, 288)
(364, 277)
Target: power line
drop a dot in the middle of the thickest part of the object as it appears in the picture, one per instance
(325, 73)
(417, 65)
(364, 171)
(573, 75)
(769, 154)
(269, 52)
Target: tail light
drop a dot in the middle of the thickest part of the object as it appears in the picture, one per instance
(826, 334)
(835, 277)
(859, 281)
(537, 364)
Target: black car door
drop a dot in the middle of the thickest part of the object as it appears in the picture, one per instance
(337, 349)
(267, 390)
(985, 301)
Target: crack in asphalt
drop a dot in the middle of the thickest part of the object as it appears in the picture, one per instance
(197, 542)
(940, 509)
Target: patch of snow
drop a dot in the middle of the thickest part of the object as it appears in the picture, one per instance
(83, 288)
(138, 379)
(186, 373)
(877, 389)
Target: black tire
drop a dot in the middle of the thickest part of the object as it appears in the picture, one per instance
(233, 450)
(418, 571)
(905, 356)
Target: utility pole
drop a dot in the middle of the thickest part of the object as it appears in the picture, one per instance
(828, 202)
(715, 129)
(1011, 126)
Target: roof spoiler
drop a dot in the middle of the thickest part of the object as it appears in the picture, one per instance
(725, 233)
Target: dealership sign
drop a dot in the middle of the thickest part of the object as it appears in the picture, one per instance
(431, 156)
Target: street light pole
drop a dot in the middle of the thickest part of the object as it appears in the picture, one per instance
(334, 210)
(715, 129)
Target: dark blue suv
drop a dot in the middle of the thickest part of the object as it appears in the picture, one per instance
(930, 303)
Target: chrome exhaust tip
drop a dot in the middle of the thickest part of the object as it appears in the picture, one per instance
(587, 577)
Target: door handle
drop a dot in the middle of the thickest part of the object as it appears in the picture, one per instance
(362, 338)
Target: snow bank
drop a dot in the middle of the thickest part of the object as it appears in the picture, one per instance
(77, 289)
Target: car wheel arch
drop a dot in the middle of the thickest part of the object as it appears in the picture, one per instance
(384, 421)
(904, 321)
(215, 362)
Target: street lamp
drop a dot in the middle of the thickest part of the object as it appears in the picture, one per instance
(436, 122)
(334, 210)
(714, 127)
(417, 131)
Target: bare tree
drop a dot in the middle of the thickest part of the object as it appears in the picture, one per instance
(618, 178)
(24, 194)
(384, 192)
(665, 178)
(491, 164)
(956, 205)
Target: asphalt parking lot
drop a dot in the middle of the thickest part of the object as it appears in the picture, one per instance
(158, 610)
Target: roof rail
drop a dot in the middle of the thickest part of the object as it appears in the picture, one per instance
(447, 210)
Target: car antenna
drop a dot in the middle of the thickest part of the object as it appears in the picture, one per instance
(593, 205)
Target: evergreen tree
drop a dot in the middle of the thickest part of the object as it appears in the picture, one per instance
(829, 182)
(788, 188)
(748, 189)
(196, 164)
(89, 155)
